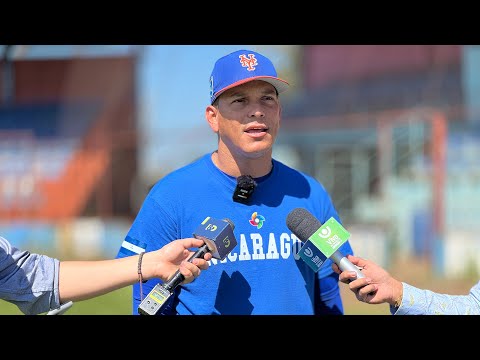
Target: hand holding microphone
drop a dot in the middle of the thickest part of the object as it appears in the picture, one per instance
(377, 287)
(321, 243)
(219, 240)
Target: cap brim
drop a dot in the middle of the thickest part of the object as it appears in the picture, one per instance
(279, 84)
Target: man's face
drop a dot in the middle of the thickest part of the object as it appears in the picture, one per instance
(248, 119)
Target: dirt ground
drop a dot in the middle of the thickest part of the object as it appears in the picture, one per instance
(416, 272)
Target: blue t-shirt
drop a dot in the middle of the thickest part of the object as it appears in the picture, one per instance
(262, 275)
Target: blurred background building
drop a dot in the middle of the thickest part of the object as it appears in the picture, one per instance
(392, 131)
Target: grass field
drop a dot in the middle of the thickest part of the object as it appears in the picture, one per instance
(413, 271)
(115, 303)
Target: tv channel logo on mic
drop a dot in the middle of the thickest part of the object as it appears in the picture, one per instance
(323, 243)
(218, 235)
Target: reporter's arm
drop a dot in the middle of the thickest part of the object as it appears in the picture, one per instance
(80, 280)
(417, 301)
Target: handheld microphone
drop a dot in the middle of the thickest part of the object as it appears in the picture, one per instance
(218, 239)
(321, 242)
(244, 189)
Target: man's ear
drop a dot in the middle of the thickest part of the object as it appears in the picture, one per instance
(211, 114)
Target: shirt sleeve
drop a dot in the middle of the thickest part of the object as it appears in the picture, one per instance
(328, 299)
(425, 302)
(27, 280)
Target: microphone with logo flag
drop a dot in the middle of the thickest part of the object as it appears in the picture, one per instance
(321, 241)
(218, 239)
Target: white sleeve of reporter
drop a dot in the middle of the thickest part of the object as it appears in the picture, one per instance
(27, 280)
(417, 301)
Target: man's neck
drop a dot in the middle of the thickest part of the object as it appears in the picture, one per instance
(256, 167)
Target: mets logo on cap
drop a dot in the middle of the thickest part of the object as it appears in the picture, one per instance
(249, 62)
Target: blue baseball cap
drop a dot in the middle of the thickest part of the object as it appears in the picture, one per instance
(240, 67)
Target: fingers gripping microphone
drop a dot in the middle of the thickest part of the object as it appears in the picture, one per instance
(321, 242)
(218, 239)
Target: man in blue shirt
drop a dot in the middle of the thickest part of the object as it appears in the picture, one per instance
(378, 287)
(262, 275)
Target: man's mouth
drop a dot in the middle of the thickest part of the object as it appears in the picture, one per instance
(254, 130)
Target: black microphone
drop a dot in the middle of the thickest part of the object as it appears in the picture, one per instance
(321, 244)
(244, 189)
(218, 239)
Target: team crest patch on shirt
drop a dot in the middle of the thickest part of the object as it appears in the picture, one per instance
(131, 246)
(257, 220)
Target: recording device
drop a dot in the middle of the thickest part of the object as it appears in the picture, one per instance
(218, 239)
(244, 189)
(321, 242)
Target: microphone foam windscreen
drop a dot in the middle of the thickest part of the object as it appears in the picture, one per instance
(246, 182)
(302, 223)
